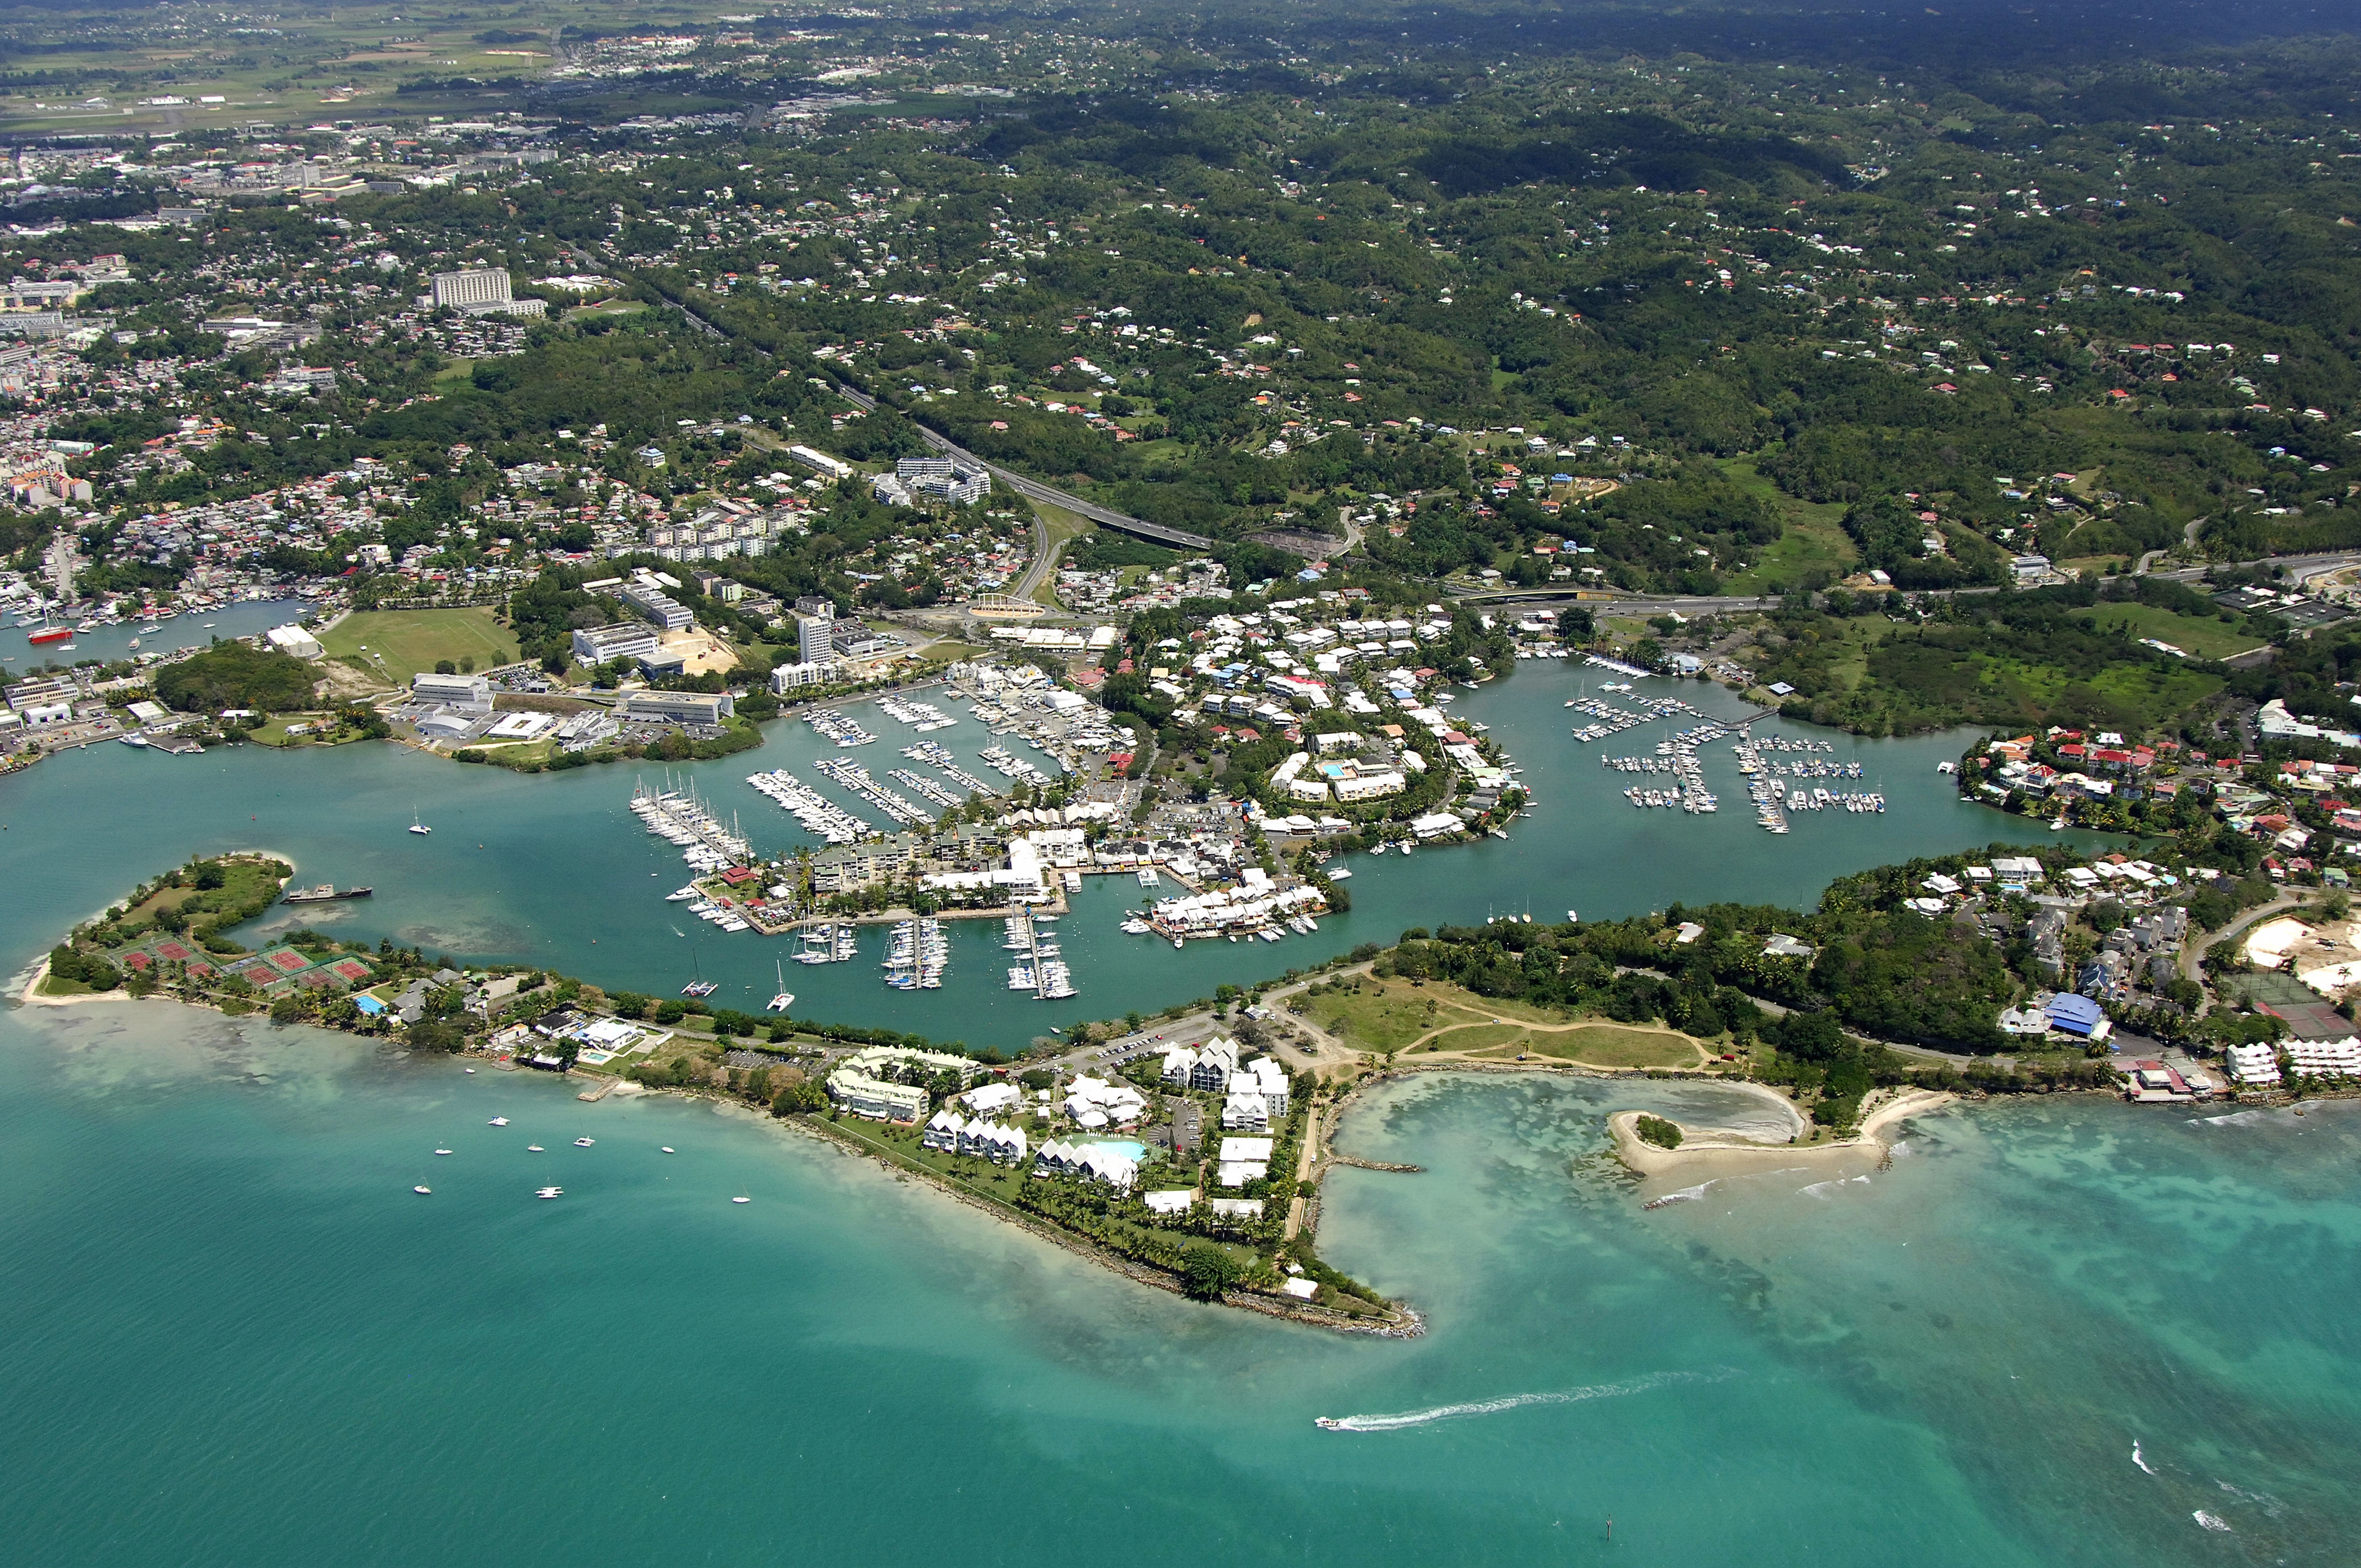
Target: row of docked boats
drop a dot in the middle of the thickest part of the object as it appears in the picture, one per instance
(1043, 970)
(852, 776)
(679, 817)
(1251, 913)
(814, 812)
(837, 727)
(829, 943)
(939, 758)
(923, 717)
(1006, 764)
(917, 954)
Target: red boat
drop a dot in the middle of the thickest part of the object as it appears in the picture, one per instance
(47, 634)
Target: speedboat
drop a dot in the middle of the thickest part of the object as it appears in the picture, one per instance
(428, 1191)
(442, 1151)
(499, 1122)
(667, 1148)
(533, 1148)
(741, 1200)
(1327, 1423)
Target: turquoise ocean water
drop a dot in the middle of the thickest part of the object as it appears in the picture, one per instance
(231, 1334)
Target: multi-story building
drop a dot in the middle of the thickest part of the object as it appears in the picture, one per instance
(656, 605)
(677, 707)
(957, 482)
(597, 645)
(815, 638)
(787, 678)
(484, 286)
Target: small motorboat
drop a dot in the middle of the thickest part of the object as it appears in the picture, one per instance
(667, 1148)
(497, 1120)
(423, 1191)
(584, 1143)
(533, 1148)
(442, 1151)
(741, 1200)
(1327, 1423)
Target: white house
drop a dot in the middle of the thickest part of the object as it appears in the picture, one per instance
(1244, 1161)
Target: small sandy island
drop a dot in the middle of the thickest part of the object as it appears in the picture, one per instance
(1708, 1147)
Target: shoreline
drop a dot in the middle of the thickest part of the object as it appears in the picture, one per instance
(1645, 1158)
(31, 995)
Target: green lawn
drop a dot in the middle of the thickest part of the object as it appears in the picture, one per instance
(392, 646)
(1812, 536)
(1381, 1016)
(2200, 638)
(1607, 1045)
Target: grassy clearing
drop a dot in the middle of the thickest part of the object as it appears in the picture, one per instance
(1383, 1015)
(1609, 1045)
(52, 985)
(1812, 536)
(1387, 1016)
(606, 308)
(2203, 639)
(391, 645)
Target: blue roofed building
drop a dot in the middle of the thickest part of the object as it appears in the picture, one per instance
(2071, 1015)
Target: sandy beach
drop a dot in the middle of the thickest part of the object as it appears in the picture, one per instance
(1705, 1147)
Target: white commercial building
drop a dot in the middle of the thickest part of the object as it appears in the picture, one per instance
(296, 641)
(795, 677)
(488, 285)
(599, 645)
(858, 1092)
(468, 694)
(677, 707)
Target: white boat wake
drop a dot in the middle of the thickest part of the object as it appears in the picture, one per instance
(1513, 1402)
(2210, 1521)
(1684, 1195)
(2138, 1461)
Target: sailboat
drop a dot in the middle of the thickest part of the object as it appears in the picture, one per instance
(415, 825)
(786, 998)
(700, 986)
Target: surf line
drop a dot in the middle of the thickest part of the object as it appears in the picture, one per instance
(1513, 1402)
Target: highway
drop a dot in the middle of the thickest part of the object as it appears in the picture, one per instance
(1033, 489)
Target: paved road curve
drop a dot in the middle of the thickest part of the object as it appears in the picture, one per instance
(1033, 489)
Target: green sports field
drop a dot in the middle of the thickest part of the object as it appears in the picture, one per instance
(392, 646)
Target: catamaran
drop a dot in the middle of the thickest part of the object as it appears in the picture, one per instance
(785, 998)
